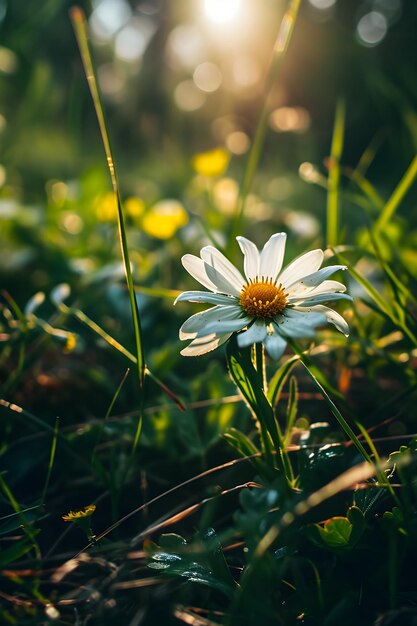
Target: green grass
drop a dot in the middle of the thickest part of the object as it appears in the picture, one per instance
(229, 489)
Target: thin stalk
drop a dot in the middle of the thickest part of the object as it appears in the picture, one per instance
(333, 193)
(380, 474)
(51, 460)
(80, 28)
(280, 48)
(108, 412)
(337, 414)
(397, 196)
(16, 507)
(273, 431)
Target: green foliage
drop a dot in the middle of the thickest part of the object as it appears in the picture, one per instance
(269, 454)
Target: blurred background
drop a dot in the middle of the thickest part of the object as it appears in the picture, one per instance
(182, 76)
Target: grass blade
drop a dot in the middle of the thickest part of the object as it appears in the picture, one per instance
(339, 417)
(80, 28)
(397, 196)
(51, 461)
(333, 195)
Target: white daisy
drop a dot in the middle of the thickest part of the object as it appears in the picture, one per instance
(269, 306)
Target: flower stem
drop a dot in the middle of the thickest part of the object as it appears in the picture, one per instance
(272, 433)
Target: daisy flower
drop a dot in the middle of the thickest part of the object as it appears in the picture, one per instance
(268, 306)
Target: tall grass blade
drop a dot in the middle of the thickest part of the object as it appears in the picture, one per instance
(382, 477)
(51, 461)
(397, 196)
(17, 509)
(339, 417)
(108, 412)
(80, 28)
(392, 310)
(291, 409)
(333, 191)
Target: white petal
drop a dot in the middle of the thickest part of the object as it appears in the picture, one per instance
(195, 266)
(225, 326)
(251, 257)
(327, 286)
(205, 296)
(303, 266)
(202, 345)
(299, 323)
(275, 345)
(197, 322)
(255, 334)
(272, 256)
(334, 318)
(324, 297)
(313, 280)
(217, 266)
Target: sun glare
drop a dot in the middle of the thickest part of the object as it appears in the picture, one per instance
(221, 11)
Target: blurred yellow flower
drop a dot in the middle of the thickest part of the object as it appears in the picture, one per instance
(134, 207)
(106, 207)
(74, 516)
(211, 163)
(71, 343)
(164, 219)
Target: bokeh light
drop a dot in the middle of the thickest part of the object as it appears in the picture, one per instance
(238, 142)
(131, 41)
(225, 194)
(188, 97)
(290, 119)
(221, 11)
(372, 28)
(8, 61)
(185, 47)
(246, 72)
(108, 17)
(207, 77)
(322, 4)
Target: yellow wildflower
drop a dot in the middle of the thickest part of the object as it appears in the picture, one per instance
(211, 163)
(75, 516)
(106, 207)
(134, 207)
(164, 219)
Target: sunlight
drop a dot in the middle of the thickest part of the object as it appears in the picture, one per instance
(221, 12)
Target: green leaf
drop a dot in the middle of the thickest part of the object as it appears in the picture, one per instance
(14, 552)
(247, 379)
(335, 533)
(201, 562)
(215, 559)
(241, 442)
(339, 532)
(246, 448)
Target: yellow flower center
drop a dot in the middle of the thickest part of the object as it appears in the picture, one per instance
(262, 298)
